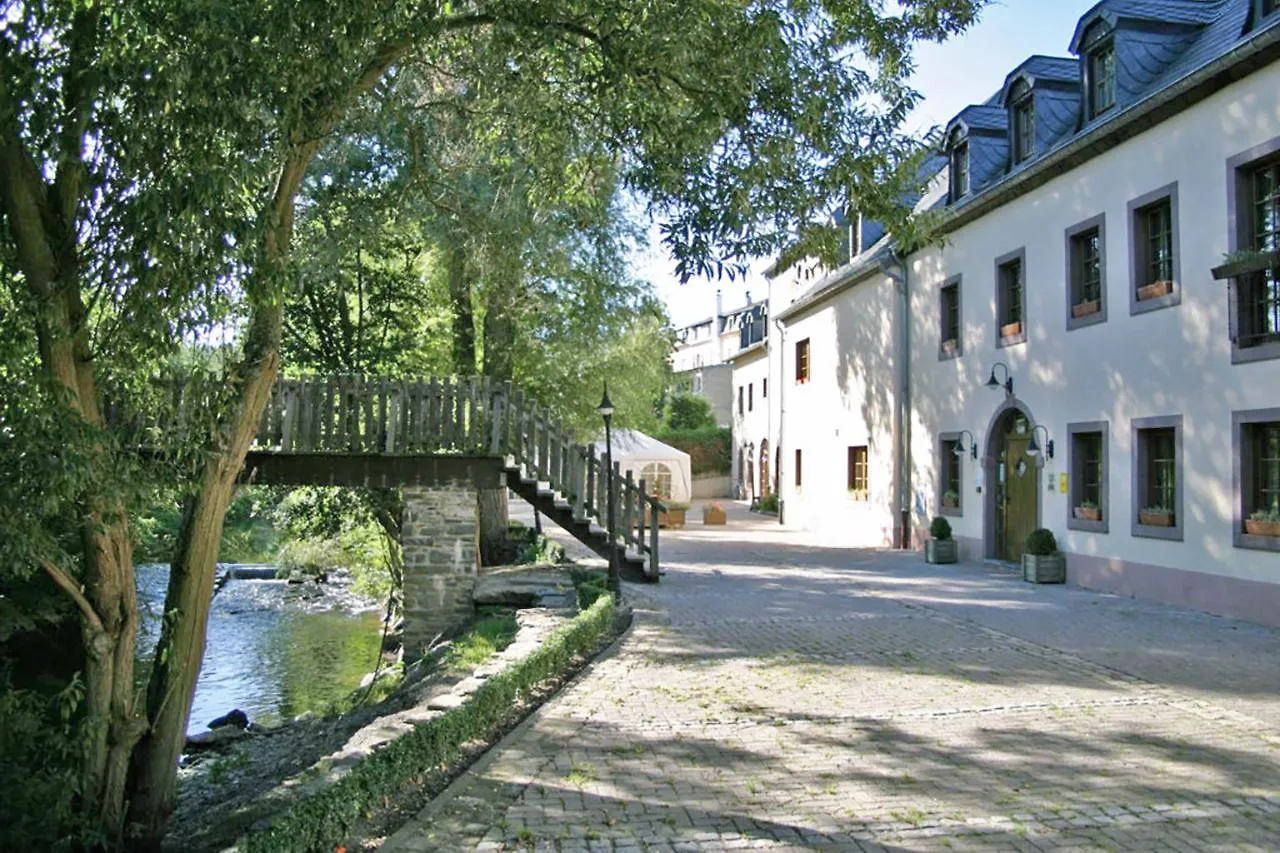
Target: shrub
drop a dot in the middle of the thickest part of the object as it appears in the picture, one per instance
(940, 528)
(710, 449)
(321, 821)
(1041, 543)
(769, 503)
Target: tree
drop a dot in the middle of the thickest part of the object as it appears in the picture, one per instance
(151, 157)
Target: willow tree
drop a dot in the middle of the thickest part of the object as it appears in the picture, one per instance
(151, 155)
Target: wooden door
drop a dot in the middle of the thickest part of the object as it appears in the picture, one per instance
(1019, 494)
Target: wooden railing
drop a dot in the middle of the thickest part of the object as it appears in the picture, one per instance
(443, 416)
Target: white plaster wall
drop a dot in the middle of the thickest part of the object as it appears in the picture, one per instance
(848, 401)
(752, 426)
(1171, 361)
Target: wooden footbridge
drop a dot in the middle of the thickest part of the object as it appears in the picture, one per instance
(368, 431)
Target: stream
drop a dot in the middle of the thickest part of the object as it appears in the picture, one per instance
(274, 650)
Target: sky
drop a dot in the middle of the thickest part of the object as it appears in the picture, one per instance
(965, 70)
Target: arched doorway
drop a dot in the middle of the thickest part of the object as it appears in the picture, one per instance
(1012, 505)
(764, 468)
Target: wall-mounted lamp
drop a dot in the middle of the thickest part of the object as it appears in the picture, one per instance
(993, 383)
(1033, 449)
(961, 450)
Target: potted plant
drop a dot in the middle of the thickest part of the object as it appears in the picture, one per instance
(1156, 516)
(1246, 261)
(941, 548)
(673, 515)
(1154, 290)
(1087, 511)
(1010, 330)
(950, 346)
(1041, 561)
(1084, 309)
(1264, 522)
(713, 513)
(951, 499)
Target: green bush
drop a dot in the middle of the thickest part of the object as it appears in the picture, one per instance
(710, 449)
(769, 503)
(1041, 543)
(940, 528)
(321, 821)
(589, 585)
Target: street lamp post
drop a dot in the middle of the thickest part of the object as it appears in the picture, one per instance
(605, 410)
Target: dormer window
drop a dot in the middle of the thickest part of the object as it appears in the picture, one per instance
(959, 169)
(1100, 65)
(1267, 7)
(1023, 121)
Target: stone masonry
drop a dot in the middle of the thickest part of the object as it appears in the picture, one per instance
(439, 536)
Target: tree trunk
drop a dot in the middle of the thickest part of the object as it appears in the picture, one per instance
(464, 317)
(499, 341)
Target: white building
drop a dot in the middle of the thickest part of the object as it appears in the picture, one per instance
(1085, 207)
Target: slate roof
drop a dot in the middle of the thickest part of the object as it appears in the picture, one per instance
(1152, 11)
(1049, 69)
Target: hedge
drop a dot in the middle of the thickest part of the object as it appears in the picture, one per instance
(710, 449)
(323, 820)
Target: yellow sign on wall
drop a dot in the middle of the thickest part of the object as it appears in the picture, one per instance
(1062, 483)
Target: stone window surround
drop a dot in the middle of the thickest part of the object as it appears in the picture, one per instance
(1020, 255)
(1237, 204)
(1104, 488)
(954, 281)
(804, 366)
(958, 461)
(1241, 478)
(1099, 222)
(859, 494)
(1139, 478)
(1137, 250)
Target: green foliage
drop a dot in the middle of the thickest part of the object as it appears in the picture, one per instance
(331, 528)
(589, 585)
(940, 528)
(710, 448)
(686, 412)
(1041, 542)
(769, 503)
(482, 638)
(322, 820)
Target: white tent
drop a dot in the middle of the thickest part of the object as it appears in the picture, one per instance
(666, 471)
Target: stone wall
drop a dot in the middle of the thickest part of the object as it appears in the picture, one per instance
(440, 558)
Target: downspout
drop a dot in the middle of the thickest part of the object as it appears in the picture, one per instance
(898, 272)
(782, 413)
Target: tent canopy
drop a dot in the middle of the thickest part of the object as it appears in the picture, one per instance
(666, 470)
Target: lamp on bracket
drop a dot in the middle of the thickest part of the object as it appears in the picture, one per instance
(961, 450)
(993, 383)
(1033, 449)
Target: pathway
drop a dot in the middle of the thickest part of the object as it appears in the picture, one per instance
(776, 696)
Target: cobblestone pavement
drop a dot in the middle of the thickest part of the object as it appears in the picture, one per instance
(782, 697)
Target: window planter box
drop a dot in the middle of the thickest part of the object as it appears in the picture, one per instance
(941, 551)
(713, 516)
(950, 347)
(1084, 309)
(1085, 513)
(1050, 568)
(1262, 528)
(1235, 269)
(1152, 518)
(1011, 330)
(1154, 290)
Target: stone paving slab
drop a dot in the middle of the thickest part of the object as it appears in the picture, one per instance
(776, 696)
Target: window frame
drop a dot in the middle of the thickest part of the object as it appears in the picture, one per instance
(947, 458)
(952, 284)
(751, 396)
(1099, 41)
(1139, 480)
(851, 472)
(1018, 256)
(1242, 477)
(804, 367)
(1072, 237)
(740, 409)
(764, 388)
(799, 478)
(1240, 235)
(957, 155)
(1075, 477)
(664, 470)
(1022, 105)
(1139, 261)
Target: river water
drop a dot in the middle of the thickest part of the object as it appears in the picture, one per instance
(274, 650)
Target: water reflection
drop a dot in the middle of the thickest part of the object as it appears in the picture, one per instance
(273, 650)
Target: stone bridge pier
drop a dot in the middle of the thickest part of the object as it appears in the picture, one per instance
(440, 536)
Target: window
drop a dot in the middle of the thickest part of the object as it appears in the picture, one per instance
(1100, 66)
(949, 336)
(764, 388)
(949, 467)
(857, 472)
(1158, 477)
(1153, 229)
(1087, 463)
(959, 170)
(1011, 299)
(798, 469)
(802, 361)
(1024, 122)
(1259, 292)
(1086, 269)
(1257, 477)
(739, 401)
(657, 480)
(751, 397)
